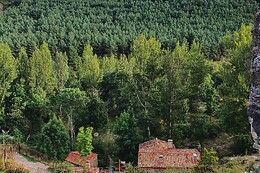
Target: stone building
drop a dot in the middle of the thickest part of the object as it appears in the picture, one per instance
(156, 155)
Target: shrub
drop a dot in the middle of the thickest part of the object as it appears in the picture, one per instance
(230, 167)
(11, 167)
(178, 170)
(60, 167)
(208, 160)
(129, 168)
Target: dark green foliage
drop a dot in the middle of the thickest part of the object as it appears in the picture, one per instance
(171, 93)
(208, 160)
(72, 103)
(235, 77)
(97, 115)
(127, 137)
(15, 106)
(18, 136)
(243, 144)
(54, 140)
(104, 146)
(110, 26)
(204, 127)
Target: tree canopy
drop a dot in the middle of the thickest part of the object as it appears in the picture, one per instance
(111, 26)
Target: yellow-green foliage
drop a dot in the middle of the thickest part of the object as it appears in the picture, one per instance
(178, 170)
(129, 168)
(60, 167)
(231, 167)
(11, 167)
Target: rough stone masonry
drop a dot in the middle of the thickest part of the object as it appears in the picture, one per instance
(253, 104)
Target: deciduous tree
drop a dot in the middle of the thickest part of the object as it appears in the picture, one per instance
(127, 137)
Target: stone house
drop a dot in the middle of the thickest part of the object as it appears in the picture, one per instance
(156, 155)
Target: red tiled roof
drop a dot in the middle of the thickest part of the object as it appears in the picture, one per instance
(155, 154)
(153, 145)
(75, 158)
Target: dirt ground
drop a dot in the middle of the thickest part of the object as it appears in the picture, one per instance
(33, 167)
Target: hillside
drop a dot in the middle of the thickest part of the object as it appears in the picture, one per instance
(128, 72)
(111, 26)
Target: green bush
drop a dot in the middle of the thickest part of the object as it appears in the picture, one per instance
(230, 167)
(60, 167)
(129, 168)
(209, 160)
(178, 170)
(242, 144)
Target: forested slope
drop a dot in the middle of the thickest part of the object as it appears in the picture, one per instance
(67, 64)
(110, 26)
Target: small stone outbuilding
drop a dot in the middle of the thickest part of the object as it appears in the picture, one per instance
(76, 159)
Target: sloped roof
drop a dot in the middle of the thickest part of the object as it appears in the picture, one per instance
(75, 158)
(153, 145)
(156, 154)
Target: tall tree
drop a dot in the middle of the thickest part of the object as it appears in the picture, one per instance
(146, 57)
(127, 137)
(236, 77)
(61, 69)
(97, 113)
(18, 100)
(84, 144)
(175, 84)
(41, 73)
(87, 68)
(23, 65)
(56, 139)
(71, 105)
(8, 73)
(8, 70)
(198, 67)
(84, 141)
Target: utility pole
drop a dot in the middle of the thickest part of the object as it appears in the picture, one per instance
(3, 132)
(119, 169)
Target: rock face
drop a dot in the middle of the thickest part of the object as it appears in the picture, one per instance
(253, 104)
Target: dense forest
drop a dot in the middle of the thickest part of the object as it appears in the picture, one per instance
(131, 70)
(111, 26)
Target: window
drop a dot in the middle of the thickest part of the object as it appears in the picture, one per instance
(160, 158)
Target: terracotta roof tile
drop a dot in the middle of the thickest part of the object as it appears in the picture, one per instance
(75, 158)
(156, 154)
(155, 144)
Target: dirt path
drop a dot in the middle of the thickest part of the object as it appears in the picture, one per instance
(33, 167)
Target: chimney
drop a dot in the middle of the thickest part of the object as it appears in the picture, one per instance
(194, 158)
(170, 144)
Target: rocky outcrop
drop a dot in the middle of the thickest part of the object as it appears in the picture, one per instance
(253, 104)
